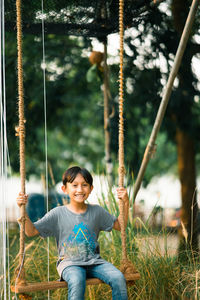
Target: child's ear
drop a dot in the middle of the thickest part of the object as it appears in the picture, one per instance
(91, 188)
(63, 188)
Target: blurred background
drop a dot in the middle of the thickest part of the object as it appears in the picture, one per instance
(81, 77)
(70, 77)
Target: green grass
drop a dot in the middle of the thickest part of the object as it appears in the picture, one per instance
(162, 276)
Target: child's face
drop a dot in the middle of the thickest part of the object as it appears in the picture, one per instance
(78, 190)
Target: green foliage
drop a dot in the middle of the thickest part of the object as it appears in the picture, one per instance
(71, 105)
(74, 108)
(75, 99)
(149, 58)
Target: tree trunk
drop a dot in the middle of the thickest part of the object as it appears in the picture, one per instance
(187, 175)
(185, 143)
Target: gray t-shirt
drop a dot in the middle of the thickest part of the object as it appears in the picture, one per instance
(76, 234)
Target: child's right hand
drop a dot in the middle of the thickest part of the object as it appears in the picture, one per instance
(22, 199)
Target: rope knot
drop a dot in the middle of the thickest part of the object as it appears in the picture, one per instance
(20, 275)
(21, 220)
(127, 267)
(122, 170)
(17, 130)
(20, 130)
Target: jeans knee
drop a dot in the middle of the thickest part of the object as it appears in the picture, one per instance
(118, 280)
(118, 276)
(76, 288)
(76, 281)
(73, 273)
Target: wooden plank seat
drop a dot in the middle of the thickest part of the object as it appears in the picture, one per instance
(52, 285)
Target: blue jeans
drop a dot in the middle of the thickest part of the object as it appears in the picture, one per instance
(75, 276)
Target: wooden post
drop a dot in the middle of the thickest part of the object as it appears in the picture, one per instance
(166, 95)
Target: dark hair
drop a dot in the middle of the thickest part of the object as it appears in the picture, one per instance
(72, 172)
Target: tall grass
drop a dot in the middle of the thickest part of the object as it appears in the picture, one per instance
(162, 276)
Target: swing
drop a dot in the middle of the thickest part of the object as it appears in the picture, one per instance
(21, 285)
(127, 268)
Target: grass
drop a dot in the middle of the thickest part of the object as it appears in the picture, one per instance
(162, 276)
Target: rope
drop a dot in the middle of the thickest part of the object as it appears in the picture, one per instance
(126, 265)
(21, 133)
(121, 130)
(4, 160)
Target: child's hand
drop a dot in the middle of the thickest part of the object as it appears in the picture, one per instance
(122, 194)
(22, 199)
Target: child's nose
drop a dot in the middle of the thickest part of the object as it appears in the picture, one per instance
(79, 188)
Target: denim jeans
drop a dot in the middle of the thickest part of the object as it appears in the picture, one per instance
(75, 276)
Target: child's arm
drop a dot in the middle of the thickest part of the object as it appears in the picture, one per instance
(122, 195)
(30, 229)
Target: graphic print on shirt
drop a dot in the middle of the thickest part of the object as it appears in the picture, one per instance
(80, 245)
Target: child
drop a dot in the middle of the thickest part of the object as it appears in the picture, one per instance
(76, 227)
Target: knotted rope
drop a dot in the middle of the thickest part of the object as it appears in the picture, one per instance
(21, 133)
(126, 266)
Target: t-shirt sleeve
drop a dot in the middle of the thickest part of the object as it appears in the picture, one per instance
(47, 224)
(106, 220)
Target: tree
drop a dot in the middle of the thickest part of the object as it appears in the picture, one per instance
(71, 104)
(187, 131)
(162, 31)
(74, 134)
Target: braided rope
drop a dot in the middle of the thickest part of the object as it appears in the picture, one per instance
(21, 133)
(126, 265)
(121, 170)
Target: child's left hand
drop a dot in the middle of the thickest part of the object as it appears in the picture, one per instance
(122, 194)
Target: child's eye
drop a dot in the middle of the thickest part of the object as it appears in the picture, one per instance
(74, 185)
(85, 184)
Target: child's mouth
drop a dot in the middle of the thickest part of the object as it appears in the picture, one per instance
(79, 196)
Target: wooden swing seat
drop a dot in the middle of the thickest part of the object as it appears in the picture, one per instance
(52, 285)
